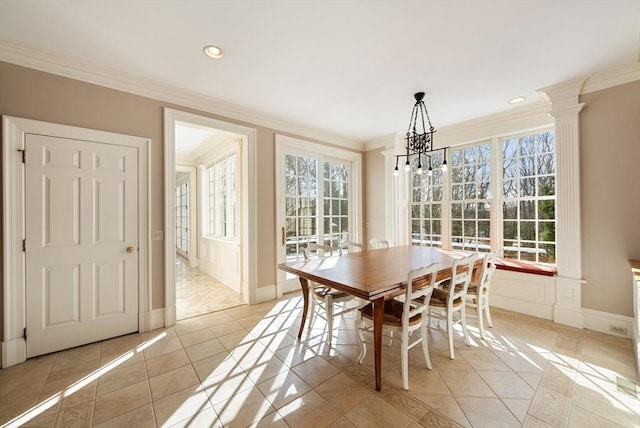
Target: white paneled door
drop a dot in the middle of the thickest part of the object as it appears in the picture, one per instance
(81, 242)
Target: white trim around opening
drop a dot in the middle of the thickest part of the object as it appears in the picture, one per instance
(249, 209)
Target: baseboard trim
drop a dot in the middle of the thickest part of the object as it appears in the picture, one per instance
(266, 293)
(524, 307)
(602, 321)
(151, 320)
(14, 352)
(636, 348)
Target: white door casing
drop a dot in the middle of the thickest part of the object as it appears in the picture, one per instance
(248, 216)
(81, 229)
(16, 132)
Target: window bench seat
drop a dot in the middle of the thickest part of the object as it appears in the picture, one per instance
(526, 267)
(524, 287)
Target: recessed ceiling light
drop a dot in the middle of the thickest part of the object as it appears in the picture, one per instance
(213, 52)
(517, 100)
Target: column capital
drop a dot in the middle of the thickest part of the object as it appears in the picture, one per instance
(566, 111)
(564, 94)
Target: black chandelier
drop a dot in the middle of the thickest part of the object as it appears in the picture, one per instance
(418, 143)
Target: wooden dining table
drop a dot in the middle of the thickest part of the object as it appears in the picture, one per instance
(372, 275)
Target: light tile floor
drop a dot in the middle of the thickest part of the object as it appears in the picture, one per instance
(244, 367)
(198, 293)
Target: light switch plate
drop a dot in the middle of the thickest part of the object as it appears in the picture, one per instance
(157, 235)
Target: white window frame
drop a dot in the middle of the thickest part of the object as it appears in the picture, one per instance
(221, 231)
(489, 200)
(183, 195)
(295, 146)
(496, 200)
(536, 198)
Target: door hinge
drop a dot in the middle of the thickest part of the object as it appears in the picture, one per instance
(24, 245)
(23, 152)
(24, 333)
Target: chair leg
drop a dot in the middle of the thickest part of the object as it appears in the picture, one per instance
(425, 347)
(465, 332)
(486, 311)
(360, 339)
(450, 333)
(312, 308)
(405, 359)
(329, 309)
(480, 318)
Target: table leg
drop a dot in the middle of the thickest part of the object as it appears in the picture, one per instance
(305, 297)
(378, 314)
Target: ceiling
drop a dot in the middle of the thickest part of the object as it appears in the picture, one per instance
(349, 68)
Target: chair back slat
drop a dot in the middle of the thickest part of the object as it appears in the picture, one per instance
(349, 246)
(318, 250)
(487, 270)
(461, 273)
(375, 243)
(417, 298)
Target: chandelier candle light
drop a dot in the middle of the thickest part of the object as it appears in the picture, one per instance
(420, 143)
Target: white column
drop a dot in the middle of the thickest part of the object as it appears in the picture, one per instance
(565, 110)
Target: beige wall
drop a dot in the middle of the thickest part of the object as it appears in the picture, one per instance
(46, 97)
(610, 195)
(374, 189)
(610, 172)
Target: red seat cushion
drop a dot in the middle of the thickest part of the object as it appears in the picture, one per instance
(526, 267)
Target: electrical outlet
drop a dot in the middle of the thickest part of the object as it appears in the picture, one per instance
(618, 330)
(157, 235)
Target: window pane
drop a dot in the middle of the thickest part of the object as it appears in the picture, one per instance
(484, 229)
(527, 187)
(456, 192)
(527, 209)
(510, 229)
(547, 186)
(470, 228)
(547, 231)
(456, 211)
(510, 210)
(470, 191)
(528, 230)
(484, 210)
(546, 209)
(456, 228)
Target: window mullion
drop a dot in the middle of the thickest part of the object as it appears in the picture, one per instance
(497, 193)
(445, 223)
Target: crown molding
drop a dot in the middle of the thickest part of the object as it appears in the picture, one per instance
(564, 94)
(384, 141)
(614, 77)
(529, 116)
(27, 56)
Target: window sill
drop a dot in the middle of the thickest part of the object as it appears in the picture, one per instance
(526, 267)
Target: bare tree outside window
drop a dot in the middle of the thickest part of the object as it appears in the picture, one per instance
(470, 198)
(316, 203)
(426, 202)
(529, 222)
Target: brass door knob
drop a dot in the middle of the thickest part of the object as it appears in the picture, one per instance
(131, 250)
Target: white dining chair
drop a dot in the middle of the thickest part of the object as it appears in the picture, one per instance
(376, 243)
(451, 298)
(478, 294)
(324, 300)
(349, 247)
(404, 317)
